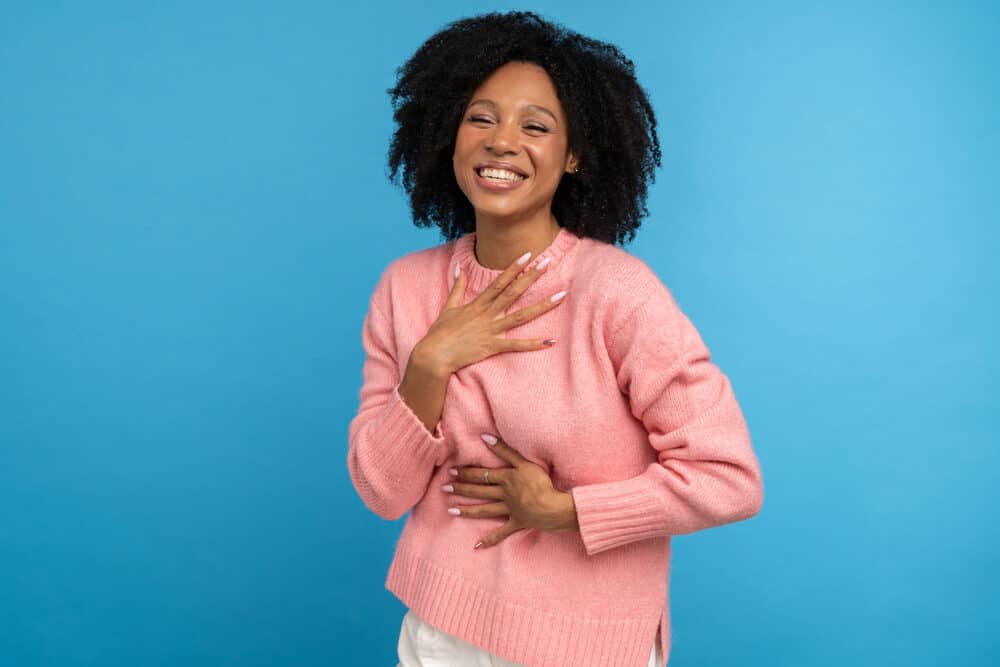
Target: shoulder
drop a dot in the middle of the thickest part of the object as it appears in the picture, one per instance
(616, 280)
(419, 262)
(628, 299)
(410, 271)
(638, 313)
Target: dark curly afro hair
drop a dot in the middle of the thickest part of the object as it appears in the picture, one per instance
(611, 123)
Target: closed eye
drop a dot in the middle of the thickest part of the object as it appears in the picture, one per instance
(482, 119)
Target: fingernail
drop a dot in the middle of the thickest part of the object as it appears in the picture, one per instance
(452, 472)
(524, 258)
(542, 264)
(557, 296)
(478, 544)
(454, 510)
(489, 439)
(448, 487)
(458, 268)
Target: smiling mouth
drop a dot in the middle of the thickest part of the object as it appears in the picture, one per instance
(499, 175)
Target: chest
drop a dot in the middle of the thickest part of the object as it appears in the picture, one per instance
(558, 406)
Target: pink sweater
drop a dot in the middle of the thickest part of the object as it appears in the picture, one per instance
(626, 411)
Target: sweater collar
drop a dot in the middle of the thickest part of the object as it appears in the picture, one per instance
(480, 276)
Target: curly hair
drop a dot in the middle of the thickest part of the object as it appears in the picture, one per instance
(611, 124)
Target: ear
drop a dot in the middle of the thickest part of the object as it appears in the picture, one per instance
(572, 163)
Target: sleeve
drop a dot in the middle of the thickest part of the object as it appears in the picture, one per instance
(707, 473)
(391, 455)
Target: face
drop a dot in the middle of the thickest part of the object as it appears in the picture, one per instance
(514, 117)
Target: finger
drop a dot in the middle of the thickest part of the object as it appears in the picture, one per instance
(506, 452)
(498, 535)
(500, 284)
(523, 344)
(522, 315)
(481, 511)
(457, 290)
(486, 491)
(520, 285)
(475, 475)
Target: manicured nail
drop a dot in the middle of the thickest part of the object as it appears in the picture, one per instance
(452, 472)
(458, 269)
(549, 341)
(448, 487)
(557, 296)
(542, 264)
(478, 544)
(454, 510)
(489, 439)
(524, 258)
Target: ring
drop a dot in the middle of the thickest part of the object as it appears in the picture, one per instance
(486, 476)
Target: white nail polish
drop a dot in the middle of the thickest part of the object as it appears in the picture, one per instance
(524, 258)
(557, 296)
(458, 267)
(542, 264)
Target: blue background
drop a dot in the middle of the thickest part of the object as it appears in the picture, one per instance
(193, 214)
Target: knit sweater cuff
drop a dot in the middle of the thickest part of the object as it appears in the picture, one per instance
(411, 444)
(611, 514)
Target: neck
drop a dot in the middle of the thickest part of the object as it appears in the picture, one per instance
(498, 244)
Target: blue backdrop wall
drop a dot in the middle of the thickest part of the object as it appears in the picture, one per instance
(193, 214)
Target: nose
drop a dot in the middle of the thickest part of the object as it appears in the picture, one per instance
(504, 138)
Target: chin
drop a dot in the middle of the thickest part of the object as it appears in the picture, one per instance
(495, 209)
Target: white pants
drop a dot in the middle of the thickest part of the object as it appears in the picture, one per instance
(423, 645)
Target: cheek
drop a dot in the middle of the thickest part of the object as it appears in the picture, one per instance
(459, 158)
(460, 170)
(463, 140)
(548, 163)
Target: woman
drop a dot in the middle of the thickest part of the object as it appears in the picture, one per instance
(533, 395)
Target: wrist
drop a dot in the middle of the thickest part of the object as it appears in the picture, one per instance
(428, 364)
(567, 512)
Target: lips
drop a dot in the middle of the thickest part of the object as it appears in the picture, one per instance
(497, 185)
(499, 176)
(507, 166)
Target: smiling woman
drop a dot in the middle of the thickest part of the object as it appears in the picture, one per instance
(579, 93)
(515, 115)
(544, 474)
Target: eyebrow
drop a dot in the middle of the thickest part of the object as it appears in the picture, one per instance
(528, 107)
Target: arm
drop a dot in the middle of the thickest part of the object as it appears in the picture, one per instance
(392, 452)
(706, 473)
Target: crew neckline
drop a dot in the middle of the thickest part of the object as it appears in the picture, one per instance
(480, 276)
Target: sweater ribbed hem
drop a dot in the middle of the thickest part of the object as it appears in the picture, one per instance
(531, 637)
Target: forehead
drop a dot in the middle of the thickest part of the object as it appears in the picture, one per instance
(518, 84)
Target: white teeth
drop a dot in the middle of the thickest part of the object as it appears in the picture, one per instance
(500, 174)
